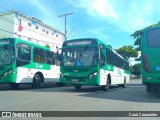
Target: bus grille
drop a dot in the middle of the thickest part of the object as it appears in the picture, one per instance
(79, 70)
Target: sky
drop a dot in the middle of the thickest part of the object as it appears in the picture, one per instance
(112, 21)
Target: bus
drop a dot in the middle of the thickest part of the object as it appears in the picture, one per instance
(150, 58)
(89, 61)
(25, 62)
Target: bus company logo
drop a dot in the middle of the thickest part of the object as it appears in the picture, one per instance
(6, 114)
(157, 68)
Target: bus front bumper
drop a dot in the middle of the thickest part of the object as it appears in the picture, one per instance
(80, 80)
(151, 79)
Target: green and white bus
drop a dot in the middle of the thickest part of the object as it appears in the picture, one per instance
(150, 58)
(26, 62)
(89, 61)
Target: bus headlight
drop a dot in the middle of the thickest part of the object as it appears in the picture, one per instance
(8, 72)
(5, 74)
(92, 75)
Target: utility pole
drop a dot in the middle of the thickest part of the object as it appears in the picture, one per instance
(65, 28)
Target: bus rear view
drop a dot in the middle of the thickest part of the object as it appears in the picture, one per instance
(150, 43)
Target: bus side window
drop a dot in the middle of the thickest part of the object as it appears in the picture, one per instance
(57, 62)
(48, 57)
(108, 56)
(102, 55)
(112, 58)
(38, 55)
(23, 54)
(53, 58)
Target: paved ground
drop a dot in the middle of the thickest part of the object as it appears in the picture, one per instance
(132, 98)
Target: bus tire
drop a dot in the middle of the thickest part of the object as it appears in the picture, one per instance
(77, 87)
(106, 87)
(36, 81)
(14, 85)
(155, 89)
(124, 85)
(59, 84)
(149, 88)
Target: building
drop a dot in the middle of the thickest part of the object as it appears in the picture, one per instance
(17, 25)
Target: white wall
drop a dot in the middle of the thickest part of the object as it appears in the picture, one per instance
(6, 23)
(30, 31)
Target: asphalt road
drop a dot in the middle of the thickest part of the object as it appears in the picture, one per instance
(51, 98)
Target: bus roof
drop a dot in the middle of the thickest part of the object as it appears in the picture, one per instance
(23, 41)
(151, 27)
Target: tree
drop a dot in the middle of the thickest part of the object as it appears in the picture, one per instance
(47, 46)
(127, 52)
(137, 35)
(136, 69)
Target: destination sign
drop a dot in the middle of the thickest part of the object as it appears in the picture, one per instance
(80, 42)
(6, 41)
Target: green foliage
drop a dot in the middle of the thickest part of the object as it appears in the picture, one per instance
(127, 52)
(136, 69)
(47, 46)
(137, 35)
(110, 46)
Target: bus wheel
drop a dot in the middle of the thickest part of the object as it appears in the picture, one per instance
(59, 84)
(14, 85)
(149, 88)
(155, 89)
(106, 87)
(124, 85)
(36, 81)
(77, 87)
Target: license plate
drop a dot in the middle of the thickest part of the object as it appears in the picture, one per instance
(74, 80)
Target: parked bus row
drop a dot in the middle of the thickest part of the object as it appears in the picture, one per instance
(84, 61)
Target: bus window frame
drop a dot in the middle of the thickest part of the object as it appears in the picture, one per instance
(20, 61)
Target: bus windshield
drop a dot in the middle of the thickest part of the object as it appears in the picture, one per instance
(6, 55)
(80, 56)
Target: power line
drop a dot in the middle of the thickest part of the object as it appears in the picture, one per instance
(3, 8)
(25, 28)
(11, 21)
(65, 28)
(58, 29)
(70, 33)
(27, 37)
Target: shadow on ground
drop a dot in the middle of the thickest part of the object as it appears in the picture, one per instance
(134, 92)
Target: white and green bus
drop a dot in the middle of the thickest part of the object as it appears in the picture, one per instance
(26, 62)
(89, 61)
(150, 52)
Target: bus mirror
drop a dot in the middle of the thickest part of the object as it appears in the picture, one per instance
(58, 56)
(102, 64)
